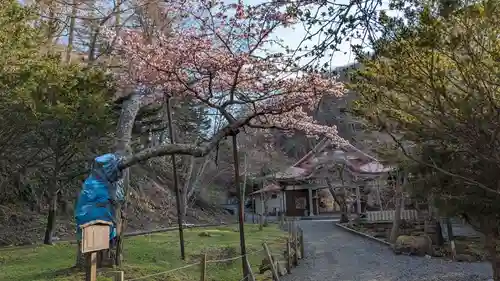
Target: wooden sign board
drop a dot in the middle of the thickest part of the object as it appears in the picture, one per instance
(95, 236)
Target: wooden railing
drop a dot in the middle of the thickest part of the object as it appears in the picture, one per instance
(388, 216)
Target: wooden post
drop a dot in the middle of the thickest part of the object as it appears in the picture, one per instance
(180, 214)
(301, 233)
(271, 262)
(310, 197)
(203, 266)
(288, 256)
(241, 203)
(261, 215)
(95, 237)
(119, 276)
(91, 274)
(358, 201)
(254, 210)
(251, 277)
(296, 249)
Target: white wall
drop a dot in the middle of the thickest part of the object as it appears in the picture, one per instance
(272, 203)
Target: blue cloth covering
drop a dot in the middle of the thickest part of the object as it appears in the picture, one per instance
(100, 190)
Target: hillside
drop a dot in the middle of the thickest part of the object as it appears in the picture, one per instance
(209, 179)
(334, 111)
(152, 205)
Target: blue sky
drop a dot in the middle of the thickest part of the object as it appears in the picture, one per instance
(294, 35)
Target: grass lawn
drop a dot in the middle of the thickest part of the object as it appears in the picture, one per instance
(150, 254)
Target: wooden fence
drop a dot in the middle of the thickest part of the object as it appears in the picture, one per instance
(388, 216)
(295, 246)
(278, 263)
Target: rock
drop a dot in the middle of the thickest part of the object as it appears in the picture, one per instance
(281, 269)
(465, 258)
(413, 245)
(265, 265)
(438, 253)
(204, 234)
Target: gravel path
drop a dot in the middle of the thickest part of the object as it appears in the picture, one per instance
(333, 254)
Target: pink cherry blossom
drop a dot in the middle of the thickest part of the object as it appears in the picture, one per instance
(218, 54)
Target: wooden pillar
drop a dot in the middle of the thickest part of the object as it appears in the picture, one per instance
(358, 200)
(284, 202)
(317, 202)
(254, 209)
(311, 209)
(282, 194)
(91, 273)
(262, 203)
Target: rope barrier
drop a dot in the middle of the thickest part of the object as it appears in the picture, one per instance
(208, 261)
(234, 258)
(225, 260)
(193, 264)
(164, 272)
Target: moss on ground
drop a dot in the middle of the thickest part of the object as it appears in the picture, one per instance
(150, 254)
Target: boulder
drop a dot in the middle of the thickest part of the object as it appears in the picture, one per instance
(281, 269)
(413, 245)
(465, 258)
(264, 266)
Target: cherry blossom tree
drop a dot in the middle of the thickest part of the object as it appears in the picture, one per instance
(218, 54)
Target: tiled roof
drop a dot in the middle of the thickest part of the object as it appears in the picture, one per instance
(272, 187)
(293, 173)
(326, 153)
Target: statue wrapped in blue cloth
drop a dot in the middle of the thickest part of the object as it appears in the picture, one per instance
(102, 190)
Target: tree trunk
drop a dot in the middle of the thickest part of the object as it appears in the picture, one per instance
(71, 30)
(116, 252)
(53, 186)
(379, 197)
(491, 247)
(130, 109)
(451, 237)
(358, 201)
(439, 232)
(188, 186)
(51, 219)
(397, 215)
(340, 201)
(342, 204)
(52, 23)
(80, 258)
(93, 33)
